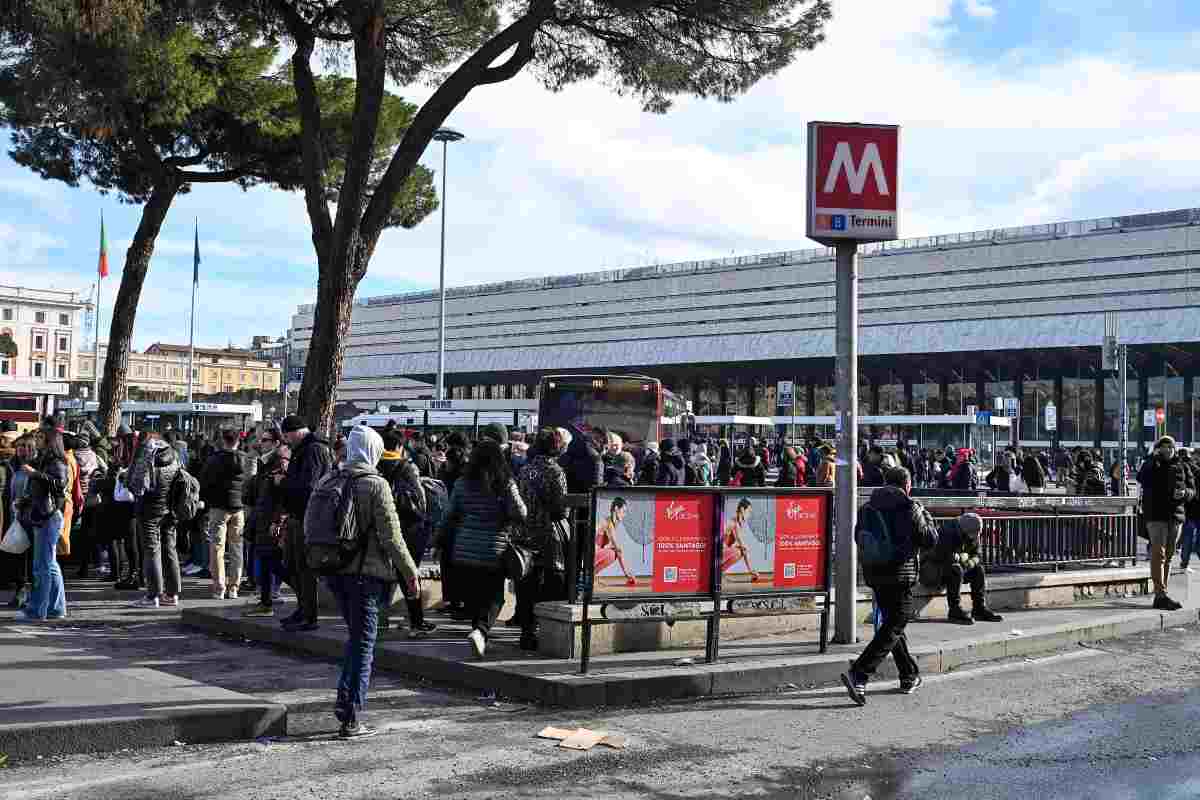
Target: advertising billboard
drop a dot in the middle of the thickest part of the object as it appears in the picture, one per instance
(773, 542)
(653, 542)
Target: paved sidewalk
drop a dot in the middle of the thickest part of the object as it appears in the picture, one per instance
(745, 666)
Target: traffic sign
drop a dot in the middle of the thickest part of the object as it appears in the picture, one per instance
(1051, 417)
(784, 393)
(853, 182)
(1010, 407)
(1149, 418)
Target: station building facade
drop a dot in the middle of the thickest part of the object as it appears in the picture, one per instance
(946, 323)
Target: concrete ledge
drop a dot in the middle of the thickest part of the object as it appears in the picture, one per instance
(745, 667)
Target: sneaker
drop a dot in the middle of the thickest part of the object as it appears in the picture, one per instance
(478, 643)
(192, 569)
(259, 610)
(959, 617)
(1172, 605)
(25, 616)
(421, 631)
(856, 687)
(910, 685)
(1162, 603)
(218, 594)
(169, 601)
(1189, 570)
(356, 730)
(145, 602)
(985, 614)
(231, 593)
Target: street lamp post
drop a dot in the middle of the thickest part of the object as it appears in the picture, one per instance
(445, 136)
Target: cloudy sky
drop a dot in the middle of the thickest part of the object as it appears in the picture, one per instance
(1014, 112)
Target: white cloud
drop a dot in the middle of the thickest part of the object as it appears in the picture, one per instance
(980, 9)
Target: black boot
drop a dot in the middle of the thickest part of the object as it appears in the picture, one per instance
(981, 613)
(959, 617)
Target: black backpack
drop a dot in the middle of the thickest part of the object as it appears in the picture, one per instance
(332, 538)
(437, 500)
(183, 497)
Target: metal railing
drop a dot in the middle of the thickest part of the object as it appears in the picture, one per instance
(1013, 541)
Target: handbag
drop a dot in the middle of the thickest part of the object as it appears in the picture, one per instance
(121, 494)
(517, 560)
(16, 539)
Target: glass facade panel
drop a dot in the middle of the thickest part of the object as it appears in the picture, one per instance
(823, 395)
(710, 400)
(891, 398)
(961, 396)
(1077, 417)
(927, 398)
(996, 390)
(1035, 395)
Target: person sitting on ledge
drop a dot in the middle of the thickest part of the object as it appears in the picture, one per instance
(954, 560)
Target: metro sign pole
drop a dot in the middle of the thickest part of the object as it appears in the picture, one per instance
(853, 187)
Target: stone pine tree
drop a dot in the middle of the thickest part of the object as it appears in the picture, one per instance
(147, 110)
(654, 50)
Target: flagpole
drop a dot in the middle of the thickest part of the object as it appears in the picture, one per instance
(192, 340)
(96, 368)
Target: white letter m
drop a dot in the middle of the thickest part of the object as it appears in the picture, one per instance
(842, 159)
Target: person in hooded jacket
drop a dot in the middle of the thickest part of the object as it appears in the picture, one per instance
(955, 561)
(749, 470)
(160, 559)
(1089, 477)
(1033, 474)
(365, 585)
(404, 479)
(701, 465)
(671, 465)
(621, 472)
(873, 468)
(893, 585)
(648, 471)
(962, 475)
(1000, 477)
(457, 454)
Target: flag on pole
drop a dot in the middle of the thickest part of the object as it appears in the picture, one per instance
(102, 267)
(196, 257)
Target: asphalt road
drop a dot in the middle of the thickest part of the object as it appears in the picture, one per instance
(1113, 721)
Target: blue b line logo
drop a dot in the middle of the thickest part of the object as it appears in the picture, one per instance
(839, 222)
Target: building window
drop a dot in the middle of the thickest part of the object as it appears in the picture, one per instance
(195, 374)
(158, 372)
(64, 319)
(140, 371)
(62, 371)
(40, 317)
(39, 369)
(8, 315)
(39, 342)
(62, 344)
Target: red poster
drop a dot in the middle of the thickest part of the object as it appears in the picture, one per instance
(800, 542)
(683, 543)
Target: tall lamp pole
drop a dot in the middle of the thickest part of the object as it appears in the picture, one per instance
(445, 136)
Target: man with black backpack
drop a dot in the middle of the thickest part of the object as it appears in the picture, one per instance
(221, 483)
(892, 529)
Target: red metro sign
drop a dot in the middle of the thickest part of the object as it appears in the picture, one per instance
(853, 182)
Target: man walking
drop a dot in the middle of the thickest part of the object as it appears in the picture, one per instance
(1168, 485)
(221, 483)
(312, 459)
(892, 529)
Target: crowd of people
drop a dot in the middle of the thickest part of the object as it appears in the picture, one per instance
(250, 512)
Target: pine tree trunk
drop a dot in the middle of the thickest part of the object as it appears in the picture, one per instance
(120, 334)
(326, 350)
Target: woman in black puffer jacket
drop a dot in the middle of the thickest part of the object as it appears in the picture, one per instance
(484, 505)
(158, 529)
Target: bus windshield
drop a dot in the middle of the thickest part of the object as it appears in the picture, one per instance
(625, 405)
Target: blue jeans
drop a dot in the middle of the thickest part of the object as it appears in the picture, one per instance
(271, 572)
(359, 600)
(49, 597)
(1189, 541)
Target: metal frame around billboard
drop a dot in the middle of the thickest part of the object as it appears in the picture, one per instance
(717, 597)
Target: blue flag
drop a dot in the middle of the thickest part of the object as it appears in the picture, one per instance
(196, 258)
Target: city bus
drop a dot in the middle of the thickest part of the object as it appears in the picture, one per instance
(635, 407)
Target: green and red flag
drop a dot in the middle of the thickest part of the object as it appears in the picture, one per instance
(103, 265)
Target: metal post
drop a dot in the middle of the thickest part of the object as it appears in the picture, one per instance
(1124, 418)
(287, 370)
(440, 393)
(846, 493)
